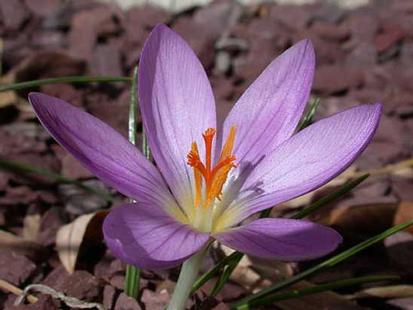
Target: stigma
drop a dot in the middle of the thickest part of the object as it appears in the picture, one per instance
(209, 177)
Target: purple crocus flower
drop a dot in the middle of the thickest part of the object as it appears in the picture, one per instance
(206, 182)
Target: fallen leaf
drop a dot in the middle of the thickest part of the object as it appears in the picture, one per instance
(86, 229)
(404, 213)
(393, 291)
(406, 172)
(366, 217)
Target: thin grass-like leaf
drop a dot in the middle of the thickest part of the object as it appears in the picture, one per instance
(326, 287)
(254, 299)
(340, 192)
(26, 169)
(225, 275)
(133, 108)
(308, 117)
(216, 269)
(65, 79)
(132, 276)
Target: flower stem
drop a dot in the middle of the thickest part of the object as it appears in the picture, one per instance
(132, 276)
(189, 272)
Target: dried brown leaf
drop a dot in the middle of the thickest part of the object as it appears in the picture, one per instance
(393, 291)
(71, 237)
(367, 217)
(404, 213)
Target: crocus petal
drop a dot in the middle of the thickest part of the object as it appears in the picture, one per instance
(102, 150)
(307, 160)
(283, 239)
(149, 238)
(177, 106)
(269, 110)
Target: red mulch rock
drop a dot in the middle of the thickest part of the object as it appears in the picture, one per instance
(399, 247)
(331, 80)
(108, 267)
(71, 167)
(125, 302)
(155, 300)
(389, 35)
(15, 268)
(80, 284)
(50, 223)
(118, 281)
(79, 201)
(289, 17)
(42, 8)
(330, 32)
(4, 180)
(109, 294)
(402, 188)
(106, 60)
(46, 64)
(65, 92)
(87, 25)
(363, 25)
(102, 106)
(13, 14)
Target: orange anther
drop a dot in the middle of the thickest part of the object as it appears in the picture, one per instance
(208, 136)
(214, 177)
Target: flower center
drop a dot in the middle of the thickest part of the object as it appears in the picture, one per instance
(209, 179)
(213, 177)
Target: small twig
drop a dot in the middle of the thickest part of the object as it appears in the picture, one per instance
(6, 286)
(69, 301)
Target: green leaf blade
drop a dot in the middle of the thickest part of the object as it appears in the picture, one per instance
(255, 298)
(340, 192)
(297, 293)
(65, 79)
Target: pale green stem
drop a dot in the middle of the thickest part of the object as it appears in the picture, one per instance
(187, 276)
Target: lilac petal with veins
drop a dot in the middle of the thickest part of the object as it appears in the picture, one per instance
(269, 110)
(282, 239)
(102, 150)
(145, 236)
(177, 106)
(306, 161)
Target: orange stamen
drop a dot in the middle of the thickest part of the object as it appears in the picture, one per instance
(208, 136)
(229, 144)
(193, 159)
(216, 176)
